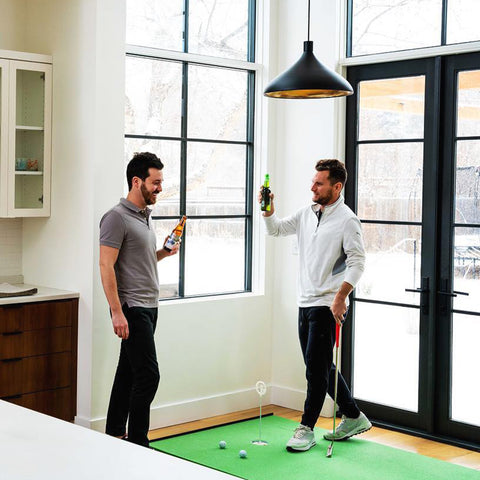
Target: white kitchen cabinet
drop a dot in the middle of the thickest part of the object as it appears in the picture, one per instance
(25, 134)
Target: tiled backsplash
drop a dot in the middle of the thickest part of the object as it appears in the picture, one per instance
(10, 249)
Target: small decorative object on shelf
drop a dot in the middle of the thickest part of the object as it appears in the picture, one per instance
(32, 165)
(21, 164)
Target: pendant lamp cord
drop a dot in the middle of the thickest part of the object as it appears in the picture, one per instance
(308, 36)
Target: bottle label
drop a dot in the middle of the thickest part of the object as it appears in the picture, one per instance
(265, 205)
(170, 243)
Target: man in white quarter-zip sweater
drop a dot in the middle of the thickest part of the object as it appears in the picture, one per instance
(331, 262)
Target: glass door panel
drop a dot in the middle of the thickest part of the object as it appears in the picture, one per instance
(389, 199)
(391, 108)
(461, 318)
(390, 177)
(3, 136)
(468, 103)
(29, 139)
(391, 248)
(465, 362)
(389, 153)
(466, 269)
(386, 355)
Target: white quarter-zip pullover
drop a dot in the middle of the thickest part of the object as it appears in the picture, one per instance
(331, 250)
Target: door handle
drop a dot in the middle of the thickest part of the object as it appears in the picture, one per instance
(424, 292)
(447, 294)
(454, 293)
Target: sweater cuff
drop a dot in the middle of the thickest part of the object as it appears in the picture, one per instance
(352, 276)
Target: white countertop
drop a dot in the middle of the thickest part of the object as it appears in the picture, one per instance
(36, 446)
(44, 294)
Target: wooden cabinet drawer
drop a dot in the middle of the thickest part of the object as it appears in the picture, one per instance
(32, 374)
(35, 342)
(35, 316)
(57, 403)
(38, 356)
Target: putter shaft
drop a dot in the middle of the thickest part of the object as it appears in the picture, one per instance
(337, 341)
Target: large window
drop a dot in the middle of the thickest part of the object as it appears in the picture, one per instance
(190, 86)
(390, 25)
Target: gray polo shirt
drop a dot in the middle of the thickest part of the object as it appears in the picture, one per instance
(130, 230)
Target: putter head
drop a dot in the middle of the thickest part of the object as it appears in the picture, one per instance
(330, 450)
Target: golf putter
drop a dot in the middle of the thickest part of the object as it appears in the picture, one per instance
(337, 342)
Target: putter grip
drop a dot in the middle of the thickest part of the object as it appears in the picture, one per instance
(337, 334)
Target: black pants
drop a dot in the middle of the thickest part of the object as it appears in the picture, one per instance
(136, 379)
(316, 329)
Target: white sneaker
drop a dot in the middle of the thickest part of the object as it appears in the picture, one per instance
(349, 427)
(303, 439)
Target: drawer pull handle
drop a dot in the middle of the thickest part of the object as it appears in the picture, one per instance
(7, 334)
(6, 360)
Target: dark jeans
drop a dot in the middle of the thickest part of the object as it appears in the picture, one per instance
(136, 379)
(316, 329)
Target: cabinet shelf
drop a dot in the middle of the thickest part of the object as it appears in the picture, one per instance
(28, 127)
(28, 172)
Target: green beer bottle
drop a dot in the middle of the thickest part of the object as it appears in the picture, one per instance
(265, 205)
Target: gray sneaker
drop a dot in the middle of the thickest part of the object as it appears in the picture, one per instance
(303, 439)
(349, 427)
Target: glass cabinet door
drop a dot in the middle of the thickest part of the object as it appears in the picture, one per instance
(29, 146)
(3, 136)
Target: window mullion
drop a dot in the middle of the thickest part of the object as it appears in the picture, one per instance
(185, 25)
(444, 22)
(183, 175)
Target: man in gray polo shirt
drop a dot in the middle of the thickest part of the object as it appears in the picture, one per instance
(128, 267)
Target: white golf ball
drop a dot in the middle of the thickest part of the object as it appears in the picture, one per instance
(222, 444)
(242, 454)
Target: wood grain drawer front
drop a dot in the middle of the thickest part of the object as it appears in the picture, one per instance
(11, 318)
(57, 403)
(33, 374)
(47, 315)
(35, 342)
(35, 316)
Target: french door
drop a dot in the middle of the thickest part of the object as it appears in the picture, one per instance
(413, 150)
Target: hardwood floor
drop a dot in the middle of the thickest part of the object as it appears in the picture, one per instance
(448, 453)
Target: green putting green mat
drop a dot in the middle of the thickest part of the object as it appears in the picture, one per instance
(354, 459)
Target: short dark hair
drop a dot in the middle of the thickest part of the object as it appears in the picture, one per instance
(139, 165)
(336, 170)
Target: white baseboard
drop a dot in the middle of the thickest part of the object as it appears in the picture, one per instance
(192, 409)
(198, 408)
(295, 399)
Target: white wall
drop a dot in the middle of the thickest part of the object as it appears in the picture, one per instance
(59, 251)
(305, 133)
(12, 16)
(10, 249)
(12, 31)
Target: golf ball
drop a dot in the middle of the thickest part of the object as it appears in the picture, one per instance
(222, 444)
(242, 454)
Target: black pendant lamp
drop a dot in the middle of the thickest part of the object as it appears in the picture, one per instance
(308, 78)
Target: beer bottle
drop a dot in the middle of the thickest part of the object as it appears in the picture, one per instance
(175, 235)
(265, 205)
